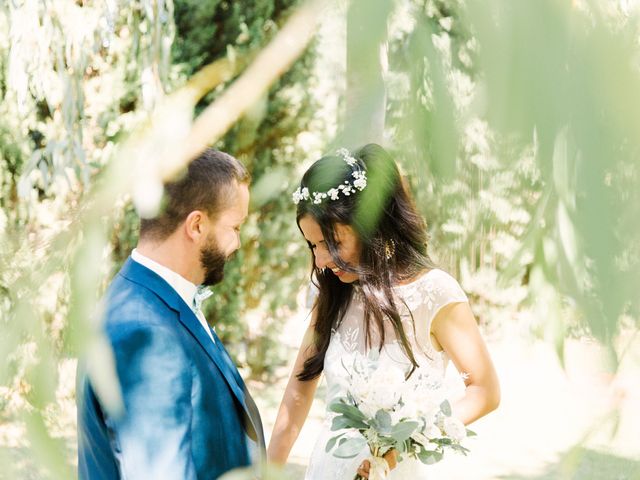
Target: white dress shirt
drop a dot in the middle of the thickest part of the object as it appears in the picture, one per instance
(181, 285)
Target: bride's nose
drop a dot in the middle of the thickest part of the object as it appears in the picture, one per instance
(322, 258)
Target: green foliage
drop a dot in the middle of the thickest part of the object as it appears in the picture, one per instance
(515, 122)
(582, 138)
(350, 448)
(207, 30)
(402, 431)
(111, 70)
(513, 167)
(382, 433)
(477, 190)
(72, 80)
(263, 280)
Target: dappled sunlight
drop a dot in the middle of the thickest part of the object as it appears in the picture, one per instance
(514, 123)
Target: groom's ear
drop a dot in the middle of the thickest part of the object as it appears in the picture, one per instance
(195, 226)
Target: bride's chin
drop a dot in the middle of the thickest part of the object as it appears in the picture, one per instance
(346, 278)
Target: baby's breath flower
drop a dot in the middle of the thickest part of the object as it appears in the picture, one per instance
(347, 188)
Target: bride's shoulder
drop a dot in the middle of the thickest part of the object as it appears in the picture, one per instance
(428, 275)
(434, 285)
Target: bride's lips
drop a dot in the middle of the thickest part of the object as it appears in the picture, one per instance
(337, 272)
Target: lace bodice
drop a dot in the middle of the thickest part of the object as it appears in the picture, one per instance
(418, 303)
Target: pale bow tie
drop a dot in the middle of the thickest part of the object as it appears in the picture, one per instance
(202, 293)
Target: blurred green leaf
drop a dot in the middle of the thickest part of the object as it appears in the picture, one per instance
(403, 430)
(347, 410)
(48, 451)
(350, 448)
(332, 442)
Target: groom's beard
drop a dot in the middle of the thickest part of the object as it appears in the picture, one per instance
(212, 261)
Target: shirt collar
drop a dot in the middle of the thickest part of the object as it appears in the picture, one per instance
(181, 285)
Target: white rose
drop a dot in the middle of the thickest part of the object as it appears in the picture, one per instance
(409, 409)
(431, 432)
(359, 386)
(454, 429)
(376, 399)
(428, 410)
(389, 376)
(360, 390)
(385, 396)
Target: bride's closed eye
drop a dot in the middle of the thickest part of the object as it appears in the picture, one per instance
(313, 246)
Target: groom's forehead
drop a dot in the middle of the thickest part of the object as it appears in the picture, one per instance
(236, 204)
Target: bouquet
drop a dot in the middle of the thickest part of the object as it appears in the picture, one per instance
(412, 416)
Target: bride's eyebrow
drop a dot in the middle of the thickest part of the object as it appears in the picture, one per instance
(311, 244)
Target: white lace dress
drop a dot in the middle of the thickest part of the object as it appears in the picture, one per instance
(424, 297)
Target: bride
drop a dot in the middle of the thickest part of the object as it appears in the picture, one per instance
(381, 301)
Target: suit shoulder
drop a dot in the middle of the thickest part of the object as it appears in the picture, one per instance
(127, 302)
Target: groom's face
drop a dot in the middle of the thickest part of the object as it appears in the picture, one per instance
(224, 238)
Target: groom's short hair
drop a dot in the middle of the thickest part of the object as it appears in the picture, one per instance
(204, 185)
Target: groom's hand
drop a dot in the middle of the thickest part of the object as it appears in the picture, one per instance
(391, 457)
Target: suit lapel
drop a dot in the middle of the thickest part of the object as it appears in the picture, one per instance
(250, 407)
(222, 360)
(193, 325)
(141, 275)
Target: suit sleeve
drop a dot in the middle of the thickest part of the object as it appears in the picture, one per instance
(152, 438)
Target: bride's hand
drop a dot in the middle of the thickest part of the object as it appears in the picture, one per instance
(391, 457)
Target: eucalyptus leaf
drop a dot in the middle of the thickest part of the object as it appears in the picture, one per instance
(332, 441)
(429, 457)
(443, 441)
(350, 448)
(348, 411)
(340, 422)
(459, 448)
(383, 419)
(402, 447)
(404, 430)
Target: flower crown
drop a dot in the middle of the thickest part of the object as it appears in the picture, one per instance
(347, 188)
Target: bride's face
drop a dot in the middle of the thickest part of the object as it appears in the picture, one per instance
(348, 247)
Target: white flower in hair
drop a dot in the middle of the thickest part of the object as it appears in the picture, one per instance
(347, 188)
(333, 193)
(360, 180)
(346, 156)
(300, 194)
(318, 197)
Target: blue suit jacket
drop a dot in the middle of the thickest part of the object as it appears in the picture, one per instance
(187, 414)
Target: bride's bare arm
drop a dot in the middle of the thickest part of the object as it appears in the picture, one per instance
(295, 405)
(456, 331)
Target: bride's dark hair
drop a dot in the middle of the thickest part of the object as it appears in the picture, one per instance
(393, 238)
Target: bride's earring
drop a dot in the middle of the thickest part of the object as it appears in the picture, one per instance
(389, 249)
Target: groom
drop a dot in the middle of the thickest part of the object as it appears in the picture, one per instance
(187, 414)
